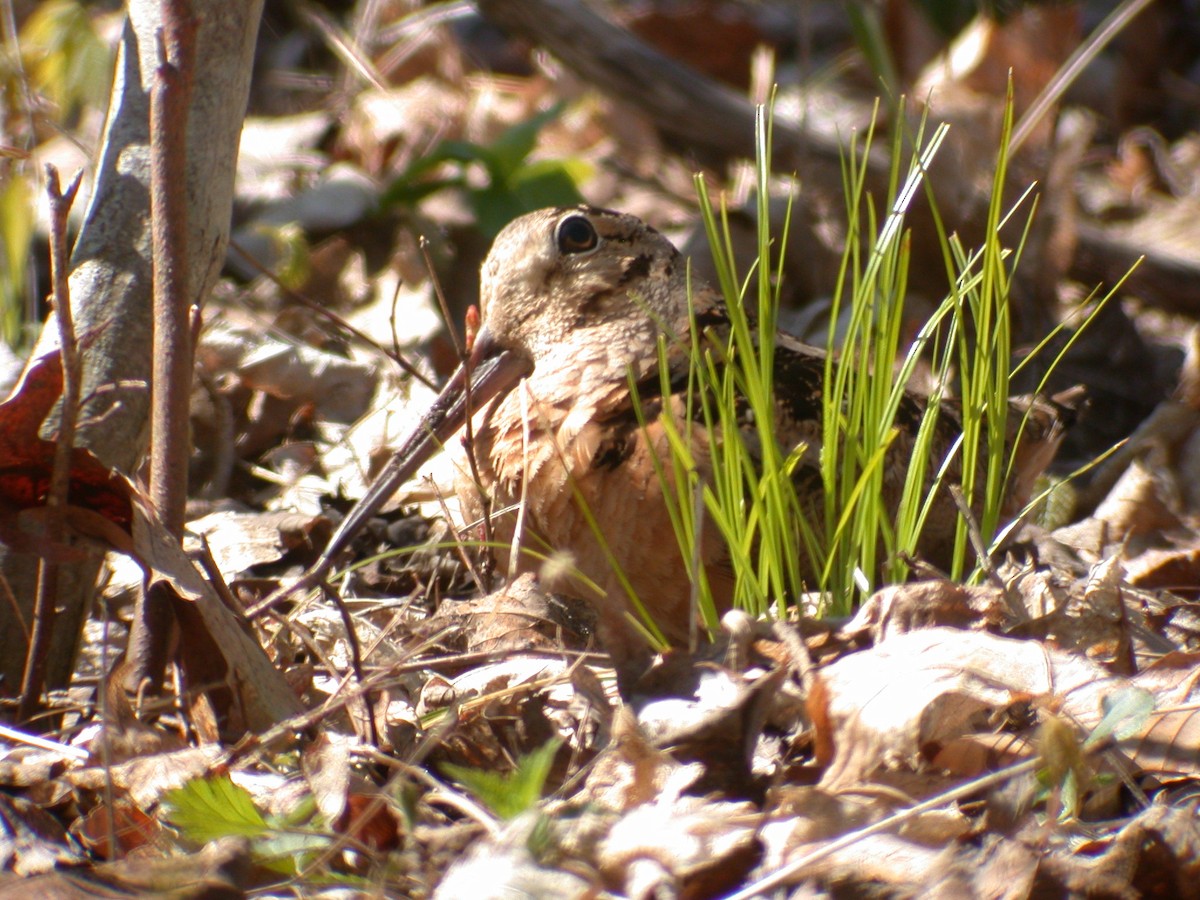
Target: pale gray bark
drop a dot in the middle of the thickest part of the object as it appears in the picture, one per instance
(110, 278)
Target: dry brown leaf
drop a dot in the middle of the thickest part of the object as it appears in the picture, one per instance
(920, 692)
(326, 765)
(1139, 508)
(715, 38)
(31, 840)
(518, 617)
(146, 778)
(1170, 743)
(26, 461)
(677, 845)
(339, 388)
(803, 820)
(1157, 854)
(494, 685)
(264, 696)
(239, 541)
(1187, 390)
(220, 869)
(631, 771)
(347, 802)
(973, 755)
(1092, 618)
(503, 867)
(384, 123)
(1175, 568)
(901, 608)
(503, 709)
(1027, 48)
(891, 702)
(131, 827)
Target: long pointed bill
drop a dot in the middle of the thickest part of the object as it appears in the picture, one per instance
(491, 371)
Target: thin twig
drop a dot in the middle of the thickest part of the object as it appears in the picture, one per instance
(356, 660)
(66, 751)
(46, 601)
(14, 608)
(514, 552)
(459, 346)
(343, 46)
(975, 535)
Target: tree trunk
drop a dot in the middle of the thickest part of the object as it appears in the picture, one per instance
(111, 283)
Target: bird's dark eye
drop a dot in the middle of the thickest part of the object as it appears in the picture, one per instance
(575, 234)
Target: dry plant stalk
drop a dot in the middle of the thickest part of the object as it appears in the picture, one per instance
(60, 477)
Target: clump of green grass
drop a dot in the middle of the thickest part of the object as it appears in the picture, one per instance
(861, 399)
(780, 546)
(783, 544)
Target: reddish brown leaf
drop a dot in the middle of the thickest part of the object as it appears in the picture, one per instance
(370, 821)
(26, 460)
(128, 825)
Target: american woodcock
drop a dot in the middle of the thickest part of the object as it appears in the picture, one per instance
(573, 303)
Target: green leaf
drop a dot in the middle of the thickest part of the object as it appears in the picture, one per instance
(508, 151)
(16, 237)
(509, 795)
(494, 207)
(66, 58)
(214, 807)
(513, 186)
(461, 152)
(1125, 714)
(205, 809)
(409, 194)
(544, 183)
(411, 187)
(550, 182)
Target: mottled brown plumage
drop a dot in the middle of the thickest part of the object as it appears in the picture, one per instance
(573, 303)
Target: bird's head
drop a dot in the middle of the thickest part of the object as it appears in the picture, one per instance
(559, 279)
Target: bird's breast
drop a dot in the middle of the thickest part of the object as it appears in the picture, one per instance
(581, 470)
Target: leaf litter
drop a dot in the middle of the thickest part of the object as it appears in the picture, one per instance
(1035, 733)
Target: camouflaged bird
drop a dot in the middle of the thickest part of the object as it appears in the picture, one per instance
(573, 301)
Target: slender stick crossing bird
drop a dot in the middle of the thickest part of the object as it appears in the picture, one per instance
(574, 301)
